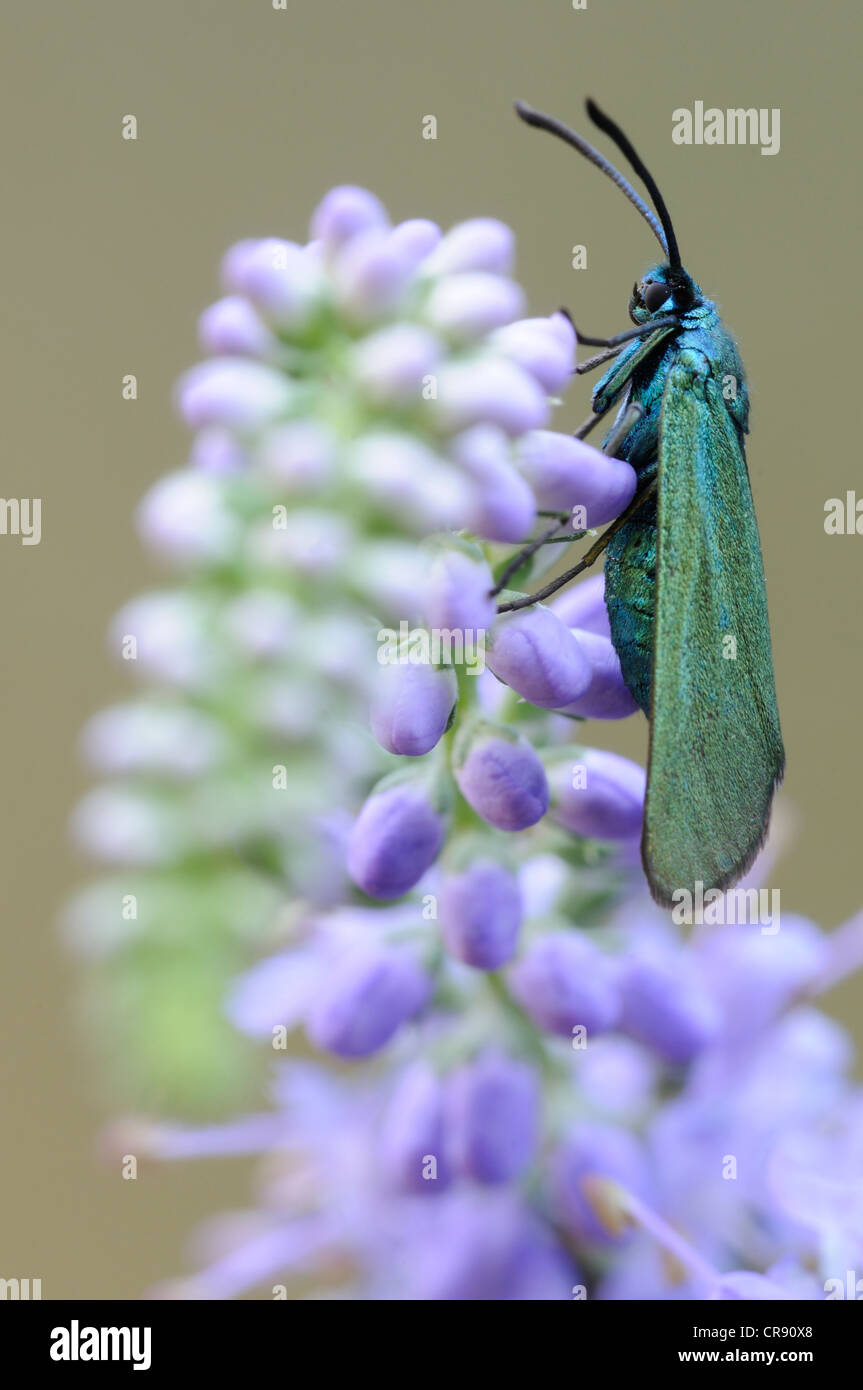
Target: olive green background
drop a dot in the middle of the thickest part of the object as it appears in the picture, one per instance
(246, 116)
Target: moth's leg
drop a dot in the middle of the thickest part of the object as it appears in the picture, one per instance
(581, 368)
(630, 417)
(593, 553)
(524, 555)
(620, 338)
(592, 420)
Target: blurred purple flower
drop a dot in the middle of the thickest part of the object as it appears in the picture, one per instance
(543, 347)
(564, 982)
(602, 796)
(365, 1000)
(492, 1118)
(594, 1151)
(396, 837)
(480, 914)
(457, 595)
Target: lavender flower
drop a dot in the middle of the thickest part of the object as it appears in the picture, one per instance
(502, 778)
(589, 1153)
(457, 597)
(666, 1008)
(368, 997)
(564, 983)
(411, 706)
(412, 1137)
(492, 1118)
(397, 836)
(533, 652)
(481, 912)
(601, 795)
(566, 473)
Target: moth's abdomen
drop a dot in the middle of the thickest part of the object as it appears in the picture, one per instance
(630, 593)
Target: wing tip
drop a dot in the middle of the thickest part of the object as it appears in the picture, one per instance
(664, 896)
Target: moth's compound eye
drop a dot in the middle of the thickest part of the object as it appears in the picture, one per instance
(654, 295)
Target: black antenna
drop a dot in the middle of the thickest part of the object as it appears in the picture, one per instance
(578, 142)
(607, 125)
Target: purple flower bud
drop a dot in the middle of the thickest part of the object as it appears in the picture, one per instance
(411, 706)
(602, 796)
(566, 473)
(299, 454)
(458, 593)
(543, 347)
(489, 390)
(503, 780)
(275, 992)
(231, 328)
(121, 826)
(391, 364)
(564, 982)
(184, 518)
(239, 260)
(344, 213)
(531, 651)
(216, 450)
(311, 542)
(279, 277)
(371, 274)
(618, 1076)
(169, 637)
(481, 914)
(364, 1001)
(583, 606)
(416, 238)
(471, 304)
(263, 623)
(393, 575)
(487, 1246)
(607, 696)
(665, 1007)
(395, 839)
(163, 739)
(744, 1284)
(412, 1133)
(503, 506)
(754, 975)
(233, 391)
(409, 480)
(595, 1151)
(492, 1118)
(480, 244)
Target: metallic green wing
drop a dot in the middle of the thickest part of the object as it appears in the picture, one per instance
(716, 751)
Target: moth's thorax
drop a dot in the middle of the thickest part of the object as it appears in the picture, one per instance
(704, 338)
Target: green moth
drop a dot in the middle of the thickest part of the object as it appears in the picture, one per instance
(684, 580)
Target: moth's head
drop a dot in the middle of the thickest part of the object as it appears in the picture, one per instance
(662, 290)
